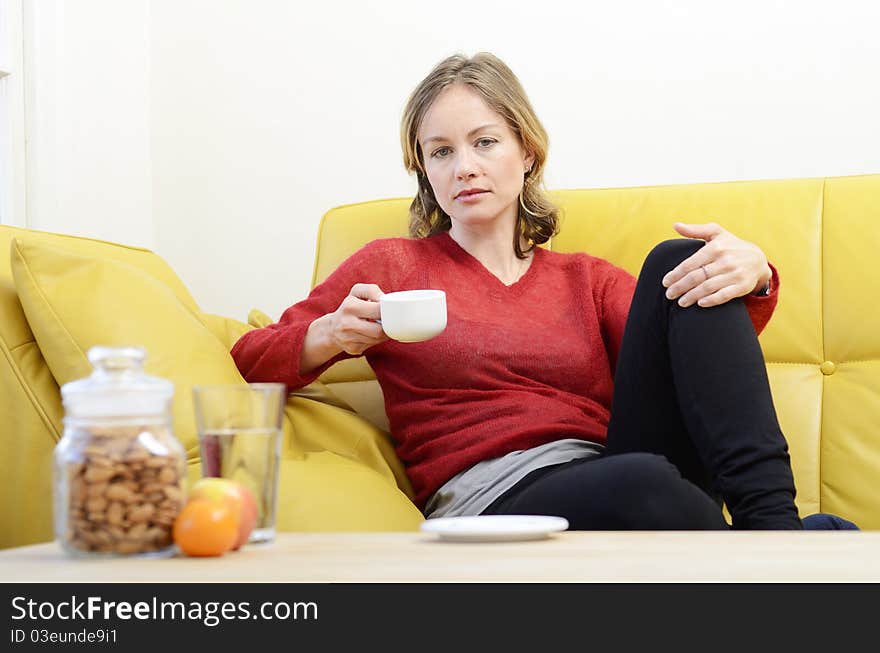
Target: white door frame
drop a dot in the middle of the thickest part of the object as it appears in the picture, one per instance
(13, 142)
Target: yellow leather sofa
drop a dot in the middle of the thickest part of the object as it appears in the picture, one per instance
(339, 471)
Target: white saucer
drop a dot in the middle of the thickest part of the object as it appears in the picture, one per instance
(494, 528)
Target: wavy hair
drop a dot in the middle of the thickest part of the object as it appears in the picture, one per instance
(537, 217)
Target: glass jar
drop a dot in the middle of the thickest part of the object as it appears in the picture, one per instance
(119, 470)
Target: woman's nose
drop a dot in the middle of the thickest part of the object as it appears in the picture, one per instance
(466, 167)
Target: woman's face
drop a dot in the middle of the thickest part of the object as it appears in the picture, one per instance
(474, 161)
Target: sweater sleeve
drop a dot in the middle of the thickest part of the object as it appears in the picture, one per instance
(615, 291)
(761, 308)
(272, 353)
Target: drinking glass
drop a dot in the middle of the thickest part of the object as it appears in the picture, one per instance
(239, 429)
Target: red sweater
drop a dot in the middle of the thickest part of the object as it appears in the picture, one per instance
(516, 367)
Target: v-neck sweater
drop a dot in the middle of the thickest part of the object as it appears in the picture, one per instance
(517, 366)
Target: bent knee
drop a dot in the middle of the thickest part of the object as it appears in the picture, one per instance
(668, 254)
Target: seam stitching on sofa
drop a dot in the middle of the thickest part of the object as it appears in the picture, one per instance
(49, 307)
(822, 327)
(364, 203)
(173, 276)
(822, 270)
(134, 248)
(12, 350)
(844, 362)
(704, 183)
(27, 390)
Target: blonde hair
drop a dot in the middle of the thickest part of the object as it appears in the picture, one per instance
(537, 217)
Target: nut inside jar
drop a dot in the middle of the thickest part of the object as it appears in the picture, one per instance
(125, 491)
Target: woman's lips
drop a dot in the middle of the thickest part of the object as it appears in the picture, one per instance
(468, 197)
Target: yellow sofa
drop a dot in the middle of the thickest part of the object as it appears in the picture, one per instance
(339, 472)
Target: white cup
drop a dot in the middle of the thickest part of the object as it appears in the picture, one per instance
(413, 315)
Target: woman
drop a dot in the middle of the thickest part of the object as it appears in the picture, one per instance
(510, 409)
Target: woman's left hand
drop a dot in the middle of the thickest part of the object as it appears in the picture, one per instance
(726, 267)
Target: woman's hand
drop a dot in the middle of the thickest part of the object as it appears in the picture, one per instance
(726, 267)
(351, 328)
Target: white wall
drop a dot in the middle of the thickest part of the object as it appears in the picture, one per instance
(233, 125)
(87, 100)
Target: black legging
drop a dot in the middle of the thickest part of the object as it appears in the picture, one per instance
(692, 423)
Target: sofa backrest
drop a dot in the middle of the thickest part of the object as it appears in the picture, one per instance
(822, 347)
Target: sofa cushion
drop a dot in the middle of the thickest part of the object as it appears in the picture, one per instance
(73, 302)
(31, 409)
(226, 329)
(328, 492)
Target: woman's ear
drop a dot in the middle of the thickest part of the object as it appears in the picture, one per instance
(528, 162)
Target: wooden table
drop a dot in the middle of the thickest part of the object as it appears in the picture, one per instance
(827, 556)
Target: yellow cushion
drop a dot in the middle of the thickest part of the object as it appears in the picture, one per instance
(326, 492)
(73, 302)
(257, 318)
(323, 422)
(226, 329)
(30, 405)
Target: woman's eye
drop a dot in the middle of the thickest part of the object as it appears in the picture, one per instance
(440, 152)
(485, 142)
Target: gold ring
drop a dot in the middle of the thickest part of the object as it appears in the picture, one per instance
(703, 268)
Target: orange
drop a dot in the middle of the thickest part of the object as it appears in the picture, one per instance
(206, 528)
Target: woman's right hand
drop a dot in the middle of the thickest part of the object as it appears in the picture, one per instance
(353, 327)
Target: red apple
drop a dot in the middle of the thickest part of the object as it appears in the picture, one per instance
(237, 495)
(248, 515)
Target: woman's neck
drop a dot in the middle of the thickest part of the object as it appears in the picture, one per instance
(494, 249)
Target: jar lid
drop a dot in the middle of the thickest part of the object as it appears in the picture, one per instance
(118, 386)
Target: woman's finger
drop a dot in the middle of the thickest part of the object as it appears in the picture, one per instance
(694, 278)
(704, 231)
(357, 343)
(722, 283)
(721, 296)
(373, 330)
(703, 256)
(361, 309)
(366, 291)
(359, 329)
